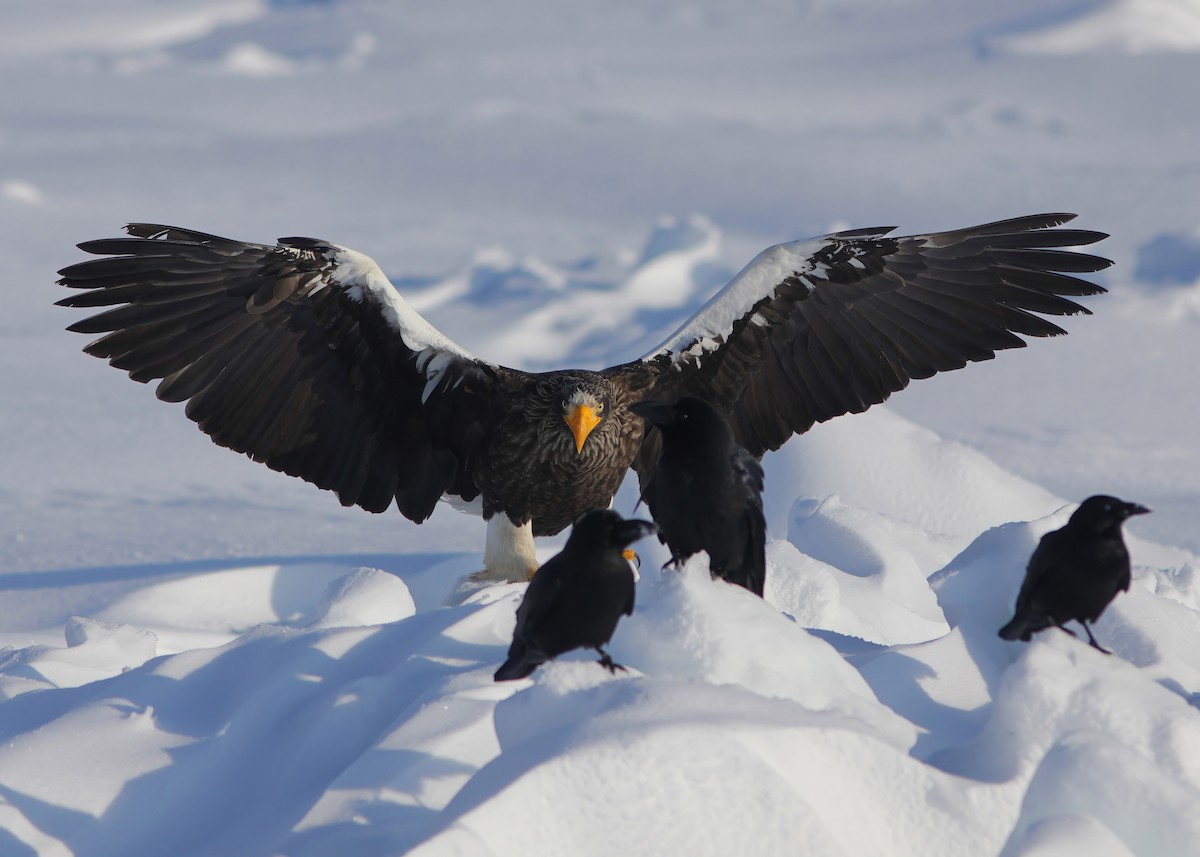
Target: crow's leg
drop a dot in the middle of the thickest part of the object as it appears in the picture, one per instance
(1063, 627)
(675, 563)
(1092, 640)
(607, 662)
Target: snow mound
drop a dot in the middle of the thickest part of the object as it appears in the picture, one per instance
(1087, 733)
(687, 625)
(213, 608)
(735, 771)
(856, 573)
(880, 461)
(95, 650)
(367, 596)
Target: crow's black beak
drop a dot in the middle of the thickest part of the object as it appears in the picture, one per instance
(654, 412)
(1132, 509)
(632, 529)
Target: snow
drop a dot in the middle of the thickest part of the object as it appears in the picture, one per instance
(255, 61)
(19, 191)
(714, 321)
(201, 657)
(1119, 26)
(1169, 260)
(355, 272)
(129, 26)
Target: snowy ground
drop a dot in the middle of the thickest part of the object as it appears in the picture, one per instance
(206, 658)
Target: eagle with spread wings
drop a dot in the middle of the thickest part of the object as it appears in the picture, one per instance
(303, 356)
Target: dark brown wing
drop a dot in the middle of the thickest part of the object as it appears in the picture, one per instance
(814, 329)
(300, 355)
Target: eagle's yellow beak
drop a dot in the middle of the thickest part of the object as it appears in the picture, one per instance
(581, 420)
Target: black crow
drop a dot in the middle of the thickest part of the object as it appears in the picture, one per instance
(1075, 572)
(706, 492)
(576, 597)
(304, 357)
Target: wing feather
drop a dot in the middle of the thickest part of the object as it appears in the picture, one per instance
(814, 329)
(300, 355)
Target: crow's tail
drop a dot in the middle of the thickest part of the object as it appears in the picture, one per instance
(1017, 629)
(518, 665)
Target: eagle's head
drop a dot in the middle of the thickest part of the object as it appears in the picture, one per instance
(583, 408)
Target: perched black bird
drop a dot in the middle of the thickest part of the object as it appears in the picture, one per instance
(303, 356)
(1075, 572)
(705, 492)
(576, 598)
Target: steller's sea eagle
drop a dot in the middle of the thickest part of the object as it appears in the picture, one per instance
(303, 356)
